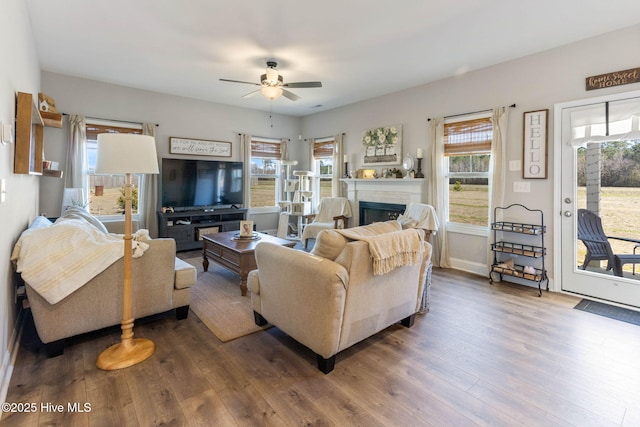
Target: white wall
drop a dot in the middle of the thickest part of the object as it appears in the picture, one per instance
(20, 71)
(176, 116)
(533, 83)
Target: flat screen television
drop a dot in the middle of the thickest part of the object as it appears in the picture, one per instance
(201, 184)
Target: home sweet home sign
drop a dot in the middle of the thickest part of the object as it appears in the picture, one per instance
(617, 78)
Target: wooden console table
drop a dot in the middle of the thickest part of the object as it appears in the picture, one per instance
(238, 255)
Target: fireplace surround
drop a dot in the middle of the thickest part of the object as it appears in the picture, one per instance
(390, 191)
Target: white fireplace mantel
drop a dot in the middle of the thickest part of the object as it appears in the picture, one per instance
(384, 190)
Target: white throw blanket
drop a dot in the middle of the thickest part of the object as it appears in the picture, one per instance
(57, 260)
(390, 250)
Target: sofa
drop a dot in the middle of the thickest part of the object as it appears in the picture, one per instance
(337, 295)
(161, 282)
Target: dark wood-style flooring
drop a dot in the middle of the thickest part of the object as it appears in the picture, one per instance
(490, 355)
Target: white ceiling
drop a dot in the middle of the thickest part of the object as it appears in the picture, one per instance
(358, 49)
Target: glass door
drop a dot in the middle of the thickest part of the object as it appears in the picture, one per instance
(600, 173)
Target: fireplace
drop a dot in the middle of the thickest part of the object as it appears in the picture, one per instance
(399, 192)
(377, 211)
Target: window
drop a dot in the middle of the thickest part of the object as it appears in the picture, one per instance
(265, 173)
(106, 192)
(467, 150)
(323, 166)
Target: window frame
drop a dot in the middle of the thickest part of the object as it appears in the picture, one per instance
(277, 176)
(93, 127)
(461, 227)
(320, 148)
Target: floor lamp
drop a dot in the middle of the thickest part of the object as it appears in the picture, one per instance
(121, 153)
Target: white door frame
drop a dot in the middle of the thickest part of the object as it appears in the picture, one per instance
(558, 202)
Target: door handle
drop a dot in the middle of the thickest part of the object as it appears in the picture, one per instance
(568, 214)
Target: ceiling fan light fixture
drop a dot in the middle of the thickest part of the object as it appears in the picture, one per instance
(271, 92)
(272, 76)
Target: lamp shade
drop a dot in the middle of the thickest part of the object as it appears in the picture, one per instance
(121, 153)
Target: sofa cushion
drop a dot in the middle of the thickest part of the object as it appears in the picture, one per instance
(186, 274)
(329, 244)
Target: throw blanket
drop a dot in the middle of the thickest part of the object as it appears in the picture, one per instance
(390, 250)
(57, 260)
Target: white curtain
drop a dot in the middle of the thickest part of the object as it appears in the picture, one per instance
(497, 170)
(315, 198)
(245, 155)
(338, 167)
(284, 149)
(436, 195)
(149, 217)
(75, 172)
(591, 123)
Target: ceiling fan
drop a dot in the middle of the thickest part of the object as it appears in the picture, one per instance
(272, 84)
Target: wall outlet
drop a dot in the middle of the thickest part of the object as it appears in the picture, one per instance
(514, 165)
(521, 187)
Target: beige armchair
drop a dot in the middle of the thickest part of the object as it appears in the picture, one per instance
(333, 212)
(422, 216)
(330, 299)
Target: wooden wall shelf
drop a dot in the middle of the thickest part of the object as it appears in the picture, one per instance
(52, 119)
(29, 136)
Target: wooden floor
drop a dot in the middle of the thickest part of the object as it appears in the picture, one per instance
(492, 355)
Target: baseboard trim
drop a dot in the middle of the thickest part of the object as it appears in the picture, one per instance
(9, 357)
(470, 267)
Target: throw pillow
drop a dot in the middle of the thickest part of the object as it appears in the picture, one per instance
(40, 222)
(80, 213)
(329, 244)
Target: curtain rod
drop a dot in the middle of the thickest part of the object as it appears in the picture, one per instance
(264, 137)
(112, 120)
(472, 112)
(326, 137)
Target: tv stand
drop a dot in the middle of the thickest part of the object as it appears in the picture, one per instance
(187, 227)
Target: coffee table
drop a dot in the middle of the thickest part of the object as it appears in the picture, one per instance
(237, 255)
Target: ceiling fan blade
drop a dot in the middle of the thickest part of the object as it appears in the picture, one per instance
(303, 84)
(290, 95)
(250, 94)
(239, 81)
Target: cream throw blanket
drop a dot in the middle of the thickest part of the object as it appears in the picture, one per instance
(389, 250)
(57, 260)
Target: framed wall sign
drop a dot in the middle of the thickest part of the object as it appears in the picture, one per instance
(534, 156)
(200, 147)
(382, 145)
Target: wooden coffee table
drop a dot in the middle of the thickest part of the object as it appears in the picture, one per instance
(238, 255)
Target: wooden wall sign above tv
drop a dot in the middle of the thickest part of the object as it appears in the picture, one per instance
(199, 147)
(617, 78)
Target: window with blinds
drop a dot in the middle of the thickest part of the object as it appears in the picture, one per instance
(106, 192)
(468, 137)
(265, 173)
(322, 150)
(467, 151)
(266, 150)
(323, 163)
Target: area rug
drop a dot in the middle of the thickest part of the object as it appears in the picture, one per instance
(216, 300)
(610, 311)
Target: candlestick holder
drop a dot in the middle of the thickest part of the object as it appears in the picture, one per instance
(419, 173)
(346, 170)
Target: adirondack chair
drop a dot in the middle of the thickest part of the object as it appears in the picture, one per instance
(591, 233)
